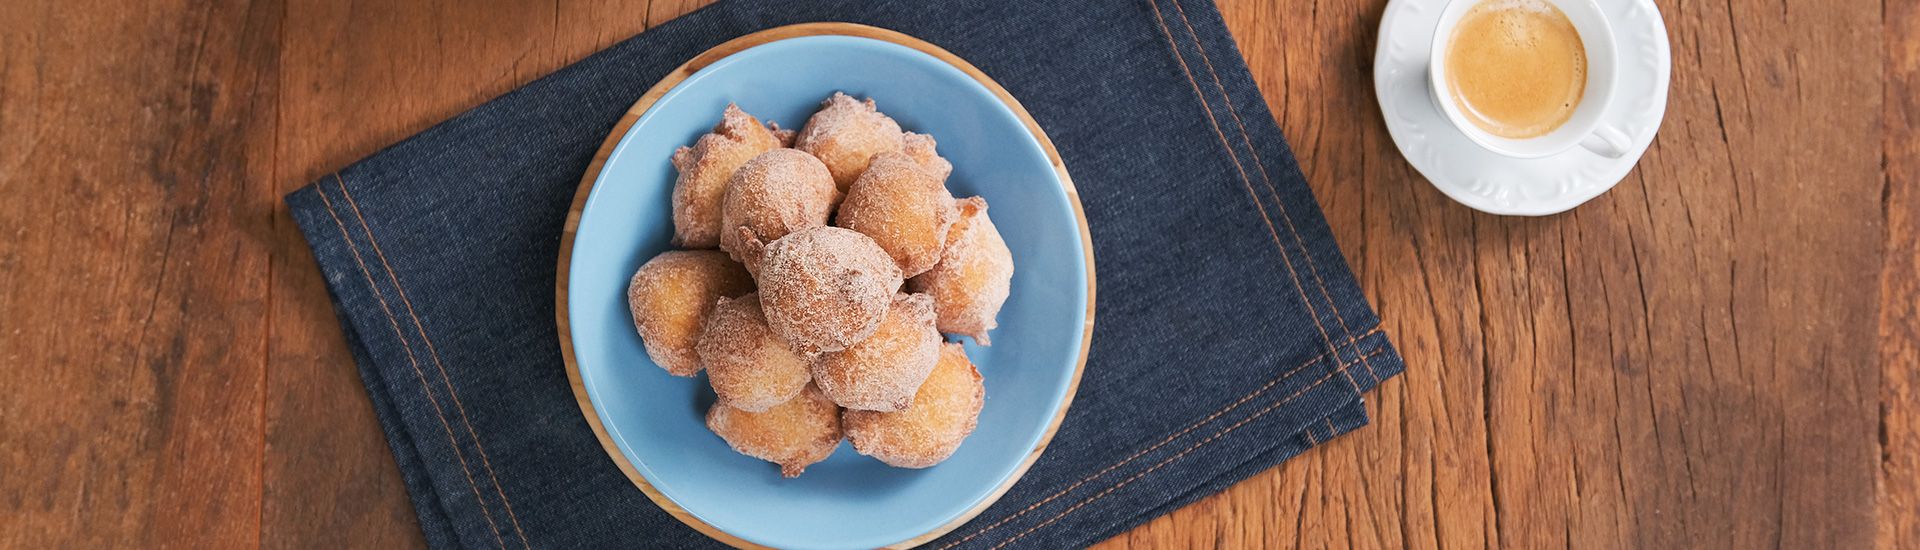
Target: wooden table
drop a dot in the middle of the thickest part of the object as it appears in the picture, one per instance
(1721, 351)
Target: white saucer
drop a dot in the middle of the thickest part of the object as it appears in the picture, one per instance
(1497, 184)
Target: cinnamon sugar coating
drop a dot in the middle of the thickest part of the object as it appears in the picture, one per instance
(776, 193)
(974, 276)
(670, 297)
(824, 288)
(707, 166)
(945, 410)
(749, 366)
(904, 209)
(883, 371)
(795, 434)
(846, 133)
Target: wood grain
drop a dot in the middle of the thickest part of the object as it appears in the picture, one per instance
(1899, 497)
(1686, 361)
(136, 163)
(1721, 351)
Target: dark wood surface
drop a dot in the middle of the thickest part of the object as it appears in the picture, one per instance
(1722, 351)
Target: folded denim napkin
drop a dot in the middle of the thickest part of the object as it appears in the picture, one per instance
(1230, 336)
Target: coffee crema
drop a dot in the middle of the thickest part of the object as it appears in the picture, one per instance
(1516, 68)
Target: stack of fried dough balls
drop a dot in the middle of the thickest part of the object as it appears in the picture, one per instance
(841, 259)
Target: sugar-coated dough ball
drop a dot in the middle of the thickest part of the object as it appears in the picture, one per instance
(705, 169)
(847, 133)
(882, 372)
(670, 297)
(973, 277)
(750, 367)
(824, 288)
(920, 147)
(776, 193)
(944, 412)
(904, 208)
(795, 434)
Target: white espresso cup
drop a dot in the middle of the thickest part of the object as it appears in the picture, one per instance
(1584, 127)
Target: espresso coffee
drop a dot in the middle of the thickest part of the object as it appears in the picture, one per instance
(1516, 68)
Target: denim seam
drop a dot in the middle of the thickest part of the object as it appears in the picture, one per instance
(1234, 157)
(1169, 439)
(421, 374)
(485, 461)
(1183, 452)
(1312, 266)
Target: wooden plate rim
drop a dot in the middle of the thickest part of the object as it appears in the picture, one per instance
(680, 74)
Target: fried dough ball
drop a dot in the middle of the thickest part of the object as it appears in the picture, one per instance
(795, 434)
(846, 134)
(944, 412)
(904, 208)
(823, 288)
(974, 275)
(920, 148)
(749, 366)
(705, 169)
(776, 193)
(881, 372)
(670, 297)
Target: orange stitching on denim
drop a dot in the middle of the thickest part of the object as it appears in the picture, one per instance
(1262, 166)
(1143, 452)
(435, 354)
(1332, 349)
(1184, 452)
(1373, 372)
(391, 320)
(1248, 182)
(1310, 440)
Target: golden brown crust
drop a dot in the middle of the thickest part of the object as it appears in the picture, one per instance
(845, 134)
(749, 367)
(945, 411)
(882, 371)
(862, 259)
(705, 169)
(903, 208)
(973, 277)
(670, 297)
(824, 288)
(776, 193)
(795, 434)
(783, 137)
(920, 147)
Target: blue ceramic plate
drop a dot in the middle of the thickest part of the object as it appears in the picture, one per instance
(656, 421)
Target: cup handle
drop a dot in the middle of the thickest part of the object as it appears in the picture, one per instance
(1607, 141)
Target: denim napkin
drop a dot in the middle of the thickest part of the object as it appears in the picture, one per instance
(1230, 336)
